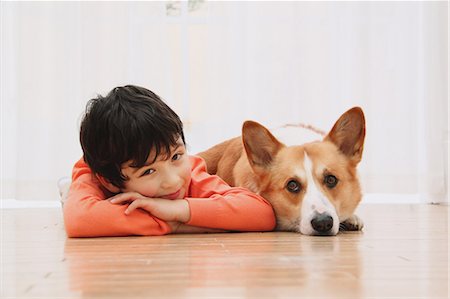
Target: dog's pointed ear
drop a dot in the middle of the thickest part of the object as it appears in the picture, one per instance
(348, 134)
(260, 145)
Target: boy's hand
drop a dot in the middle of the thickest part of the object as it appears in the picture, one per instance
(165, 209)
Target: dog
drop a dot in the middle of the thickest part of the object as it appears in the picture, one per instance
(309, 177)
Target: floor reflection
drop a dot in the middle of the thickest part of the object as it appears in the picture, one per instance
(240, 265)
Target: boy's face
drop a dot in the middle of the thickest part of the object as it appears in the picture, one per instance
(167, 179)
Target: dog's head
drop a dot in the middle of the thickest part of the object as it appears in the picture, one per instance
(312, 186)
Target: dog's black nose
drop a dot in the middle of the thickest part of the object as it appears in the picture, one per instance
(322, 223)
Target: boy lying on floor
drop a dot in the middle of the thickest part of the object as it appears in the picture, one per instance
(135, 177)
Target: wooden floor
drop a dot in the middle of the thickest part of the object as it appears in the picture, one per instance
(402, 253)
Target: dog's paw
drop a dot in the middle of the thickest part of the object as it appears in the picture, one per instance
(353, 223)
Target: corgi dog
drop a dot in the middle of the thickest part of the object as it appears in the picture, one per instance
(309, 177)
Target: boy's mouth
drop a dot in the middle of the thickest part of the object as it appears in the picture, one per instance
(174, 195)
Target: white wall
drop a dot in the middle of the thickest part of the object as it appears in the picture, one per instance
(220, 63)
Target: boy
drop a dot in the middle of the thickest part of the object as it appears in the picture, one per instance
(135, 177)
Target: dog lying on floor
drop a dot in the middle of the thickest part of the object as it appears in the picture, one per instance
(309, 178)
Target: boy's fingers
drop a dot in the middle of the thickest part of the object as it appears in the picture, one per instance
(125, 197)
(134, 205)
(117, 199)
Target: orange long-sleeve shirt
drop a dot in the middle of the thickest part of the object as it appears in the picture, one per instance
(212, 202)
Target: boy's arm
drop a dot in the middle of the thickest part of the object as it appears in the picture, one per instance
(214, 204)
(88, 214)
(176, 212)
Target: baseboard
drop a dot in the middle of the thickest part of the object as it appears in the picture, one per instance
(372, 198)
(383, 198)
(25, 204)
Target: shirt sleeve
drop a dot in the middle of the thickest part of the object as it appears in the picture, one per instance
(87, 213)
(214, 204)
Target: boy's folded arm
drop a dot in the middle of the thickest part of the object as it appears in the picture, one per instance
(87, 213)
(90, 217)
(214, 204)
(238, 210)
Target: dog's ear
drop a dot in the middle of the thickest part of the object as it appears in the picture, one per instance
(260, 145)
(348, 134)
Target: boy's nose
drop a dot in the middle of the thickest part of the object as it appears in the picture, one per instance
(169, 181)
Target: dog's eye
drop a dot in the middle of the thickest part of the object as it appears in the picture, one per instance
(293, 186)
(331, 181)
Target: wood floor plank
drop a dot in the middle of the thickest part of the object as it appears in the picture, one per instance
(401, 253)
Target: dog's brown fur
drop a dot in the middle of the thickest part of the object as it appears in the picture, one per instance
(261, 163)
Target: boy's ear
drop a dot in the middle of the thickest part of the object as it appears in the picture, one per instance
(107, 184)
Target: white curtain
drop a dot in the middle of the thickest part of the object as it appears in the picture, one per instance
(220, 63)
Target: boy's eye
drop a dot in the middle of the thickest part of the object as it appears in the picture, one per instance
(148, 171)
(176, 157)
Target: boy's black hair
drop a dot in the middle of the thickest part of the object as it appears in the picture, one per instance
(125, 126)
